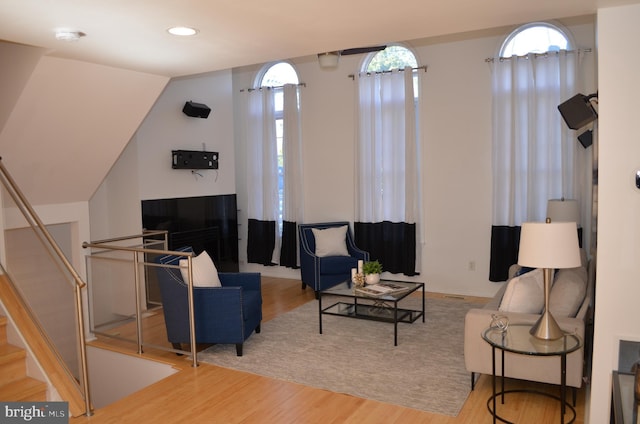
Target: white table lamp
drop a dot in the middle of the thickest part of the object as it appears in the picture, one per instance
(548, 245)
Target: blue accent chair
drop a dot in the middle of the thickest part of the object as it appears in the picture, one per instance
(321, 273)
(223, 315)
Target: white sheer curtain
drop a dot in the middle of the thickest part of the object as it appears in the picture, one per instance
(535, 155)
(387, 199)
(387, 177)
(534, 152)
(262, 156)
(292, 209)
(262, 160)
(267, 244)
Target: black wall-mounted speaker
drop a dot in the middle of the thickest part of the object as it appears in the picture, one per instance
(578, 111)
(196, 110)
(586, 138)
(192, 159)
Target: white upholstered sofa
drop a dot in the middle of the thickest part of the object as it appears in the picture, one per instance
(570, 301)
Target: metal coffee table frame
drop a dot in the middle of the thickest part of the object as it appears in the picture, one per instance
(384, 308)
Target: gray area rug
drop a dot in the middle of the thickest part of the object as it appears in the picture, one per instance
(357, 357)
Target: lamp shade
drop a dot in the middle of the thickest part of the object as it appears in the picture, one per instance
(549, 245)
(563, 210)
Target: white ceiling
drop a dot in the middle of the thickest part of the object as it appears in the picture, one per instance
(131, 34)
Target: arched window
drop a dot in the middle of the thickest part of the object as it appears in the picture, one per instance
(393, 57)
(540, 37)
(274, 166)
(276, 76)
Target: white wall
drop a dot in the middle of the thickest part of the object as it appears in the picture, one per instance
(113, 376)
(166, 128)
(144, 171)
(617, 292)
(457, 165)
(70, 124)
(456, 152)
(109, 216)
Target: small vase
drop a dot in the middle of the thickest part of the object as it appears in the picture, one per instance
(372, 278)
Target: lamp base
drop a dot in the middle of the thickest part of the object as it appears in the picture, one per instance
(546, 328)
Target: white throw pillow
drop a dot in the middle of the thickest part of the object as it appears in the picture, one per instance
(524, 293)
(205, 273)
(568, 292)
(331, 241)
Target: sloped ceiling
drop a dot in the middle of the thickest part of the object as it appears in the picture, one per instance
(17, 66)
(69, 124)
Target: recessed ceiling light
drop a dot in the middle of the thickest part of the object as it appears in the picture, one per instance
(182, 31)
(66, 35)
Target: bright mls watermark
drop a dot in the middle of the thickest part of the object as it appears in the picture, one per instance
(34, 412)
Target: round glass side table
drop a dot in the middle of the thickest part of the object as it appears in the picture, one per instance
(517, 339)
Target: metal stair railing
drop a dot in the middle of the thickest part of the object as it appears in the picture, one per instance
(111, 245)
(77, 285)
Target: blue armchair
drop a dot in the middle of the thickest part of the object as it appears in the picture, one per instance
(323, 272)
(227, 314)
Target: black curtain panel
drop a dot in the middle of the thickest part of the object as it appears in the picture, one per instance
(505, 242)
(289, 248)
(391, 243)
(261, 240)
(580, 237)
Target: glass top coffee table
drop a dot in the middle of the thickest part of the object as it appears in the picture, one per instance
(383, 307)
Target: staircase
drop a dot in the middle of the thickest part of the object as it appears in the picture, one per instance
(15, 386)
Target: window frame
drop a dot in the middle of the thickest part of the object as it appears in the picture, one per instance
(521, 28)
(369, 58)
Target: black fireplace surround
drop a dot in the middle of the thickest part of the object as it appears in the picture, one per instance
(206, 223)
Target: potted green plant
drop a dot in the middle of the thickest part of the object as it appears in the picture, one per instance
(372, 271)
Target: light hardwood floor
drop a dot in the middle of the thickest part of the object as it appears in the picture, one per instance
(211, 394)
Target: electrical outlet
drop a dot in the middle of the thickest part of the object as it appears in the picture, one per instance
(472, 266)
